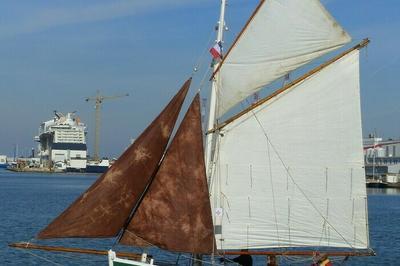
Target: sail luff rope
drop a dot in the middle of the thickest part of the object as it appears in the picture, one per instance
(294, 182)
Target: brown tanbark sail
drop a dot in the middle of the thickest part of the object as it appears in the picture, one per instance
(105, 207)
(175, 213)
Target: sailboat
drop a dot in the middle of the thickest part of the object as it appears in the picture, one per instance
(282, 177)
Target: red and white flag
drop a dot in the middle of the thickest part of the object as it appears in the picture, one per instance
(216, 50)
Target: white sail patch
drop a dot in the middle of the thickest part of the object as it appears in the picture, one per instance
(282, 36)
(290, 172)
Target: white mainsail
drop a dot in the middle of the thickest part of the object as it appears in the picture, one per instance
(290, 172)
(282, 36)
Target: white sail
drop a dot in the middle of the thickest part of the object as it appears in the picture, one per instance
(282, 36)
(290, 172)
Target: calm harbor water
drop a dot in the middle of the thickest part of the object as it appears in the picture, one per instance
(30, 201)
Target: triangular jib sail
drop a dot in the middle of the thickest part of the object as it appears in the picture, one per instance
(289, 173)
(281, 36)
(175, 213)
(104, 208)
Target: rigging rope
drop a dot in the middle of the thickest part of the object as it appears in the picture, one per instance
(200, 59)
(294, 182)
(204, 79)
(154, 246)
(142, 239)
(273, 191)
(40, 257)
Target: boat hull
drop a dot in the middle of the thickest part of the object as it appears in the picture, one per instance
(96, 169)
(113, 260)
(377, 185)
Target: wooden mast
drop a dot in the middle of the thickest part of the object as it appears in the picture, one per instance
(213, 96)
(290, 85)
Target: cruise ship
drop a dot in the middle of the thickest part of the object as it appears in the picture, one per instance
(62, 143)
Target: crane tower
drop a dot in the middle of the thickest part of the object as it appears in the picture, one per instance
(99, 99)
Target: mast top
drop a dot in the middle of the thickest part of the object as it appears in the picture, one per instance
(221, 22)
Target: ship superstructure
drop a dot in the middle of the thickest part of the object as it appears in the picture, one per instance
(62, 142)
(382, 161)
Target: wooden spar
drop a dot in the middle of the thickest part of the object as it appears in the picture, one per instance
(238, 37)
(26, 245)
(301, 253)
(290, 85)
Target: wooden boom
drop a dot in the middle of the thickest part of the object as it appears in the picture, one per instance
(302, 253)
(26, 245)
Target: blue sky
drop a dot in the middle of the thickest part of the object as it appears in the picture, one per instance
(55, 53)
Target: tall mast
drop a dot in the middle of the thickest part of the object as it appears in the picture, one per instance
(213, 95)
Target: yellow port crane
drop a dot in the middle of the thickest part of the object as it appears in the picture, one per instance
(99, 99)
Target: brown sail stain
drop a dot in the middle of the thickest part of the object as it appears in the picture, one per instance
(175, 213)
(164, 129)
(141, 154)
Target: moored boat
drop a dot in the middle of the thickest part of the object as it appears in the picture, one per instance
(97, 166)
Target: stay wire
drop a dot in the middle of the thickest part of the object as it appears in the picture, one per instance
(273, 193)
(294, 182)
(272, 187)
(201, 57)
(40, 257)
(204, 79)
(142, 239)
(152, 245)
